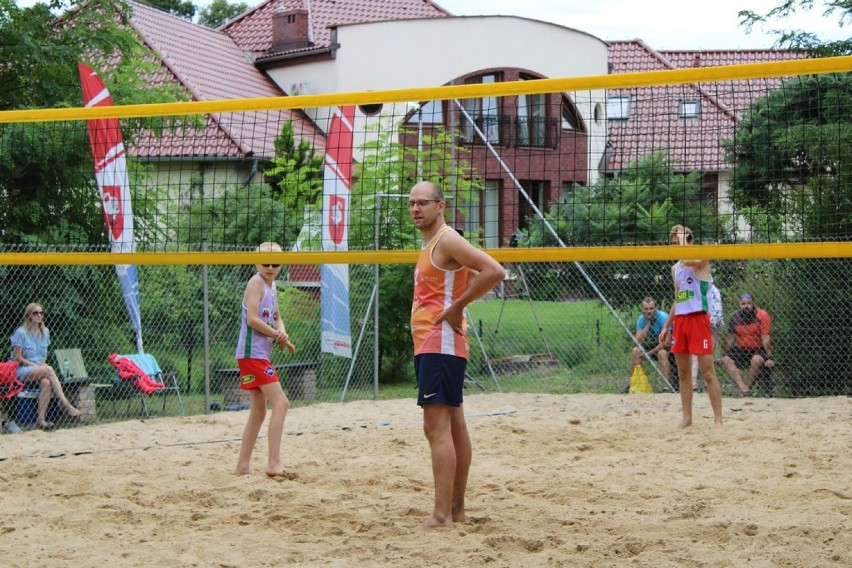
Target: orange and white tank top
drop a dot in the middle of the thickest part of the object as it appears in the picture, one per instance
(434, 291)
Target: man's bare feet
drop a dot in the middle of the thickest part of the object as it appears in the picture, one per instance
(718, 424)
(283, 476)
(685, 423)
(275, 470)
(434, 523)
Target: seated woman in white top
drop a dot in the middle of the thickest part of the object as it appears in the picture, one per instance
(29, 349)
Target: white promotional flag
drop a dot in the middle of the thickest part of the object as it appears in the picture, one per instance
(335, 330)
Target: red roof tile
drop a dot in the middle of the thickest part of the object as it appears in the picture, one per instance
(736, 95)
(252, 30)
(654, 124)
(212, 67)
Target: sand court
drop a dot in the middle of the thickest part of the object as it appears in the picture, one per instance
(576, 480)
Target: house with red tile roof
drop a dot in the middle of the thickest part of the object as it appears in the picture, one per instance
(222, 150)
(535, 145)
(539, 145)
(688, 121)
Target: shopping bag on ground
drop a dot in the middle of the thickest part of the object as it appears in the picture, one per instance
(639, 382)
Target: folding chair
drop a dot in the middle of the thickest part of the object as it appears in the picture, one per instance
(78, 384)
(148, 364)
(70, 365)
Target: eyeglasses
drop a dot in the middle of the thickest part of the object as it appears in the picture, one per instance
(421, 203)
(270, 265)
(37, 313)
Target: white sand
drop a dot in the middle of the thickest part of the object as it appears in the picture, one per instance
(579, 480)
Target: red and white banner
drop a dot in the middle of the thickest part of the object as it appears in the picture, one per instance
(335, 330)
(107, 147)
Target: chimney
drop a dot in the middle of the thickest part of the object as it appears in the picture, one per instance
(290, 30)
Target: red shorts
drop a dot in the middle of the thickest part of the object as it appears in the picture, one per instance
(693, 334)
(255, 373)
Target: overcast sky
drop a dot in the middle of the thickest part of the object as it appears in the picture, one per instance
(662, 24)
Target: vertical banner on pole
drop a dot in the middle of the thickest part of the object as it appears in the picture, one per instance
(111, 174)
(335, 331)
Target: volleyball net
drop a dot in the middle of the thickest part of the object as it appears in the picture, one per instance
(573, 183)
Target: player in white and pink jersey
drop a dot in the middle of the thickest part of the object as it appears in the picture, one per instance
(261, 324)
(692, 334)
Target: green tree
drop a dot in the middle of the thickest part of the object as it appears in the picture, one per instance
(220, 12)
(47, 191)
(792, 159)
(240, 217)
(389, 168)
(801, 39)
(792, 172)
(40, 51)
(637, 208)
(182, 8)
(295, 177)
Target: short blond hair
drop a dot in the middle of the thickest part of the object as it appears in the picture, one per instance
(269, 246)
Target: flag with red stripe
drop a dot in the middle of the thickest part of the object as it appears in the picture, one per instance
(335, 330)
(108, 153)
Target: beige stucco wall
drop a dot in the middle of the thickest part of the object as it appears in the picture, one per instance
(433, 52)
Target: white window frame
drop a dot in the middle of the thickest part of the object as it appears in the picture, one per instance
(618, 107)
(689, 108)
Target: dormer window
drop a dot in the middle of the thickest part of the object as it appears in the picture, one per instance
(689, 109)
(618, 107)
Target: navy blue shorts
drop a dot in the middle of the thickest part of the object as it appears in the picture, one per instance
(440, 378)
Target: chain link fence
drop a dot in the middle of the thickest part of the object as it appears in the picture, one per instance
(549, 328)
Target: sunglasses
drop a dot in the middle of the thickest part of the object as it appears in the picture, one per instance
(422, 203)
(745, 296)
(270, 265)
(37, 313)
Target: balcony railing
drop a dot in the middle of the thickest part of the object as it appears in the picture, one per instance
(542, 132)
(495, 127)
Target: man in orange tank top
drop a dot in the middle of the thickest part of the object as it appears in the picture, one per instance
(450, 274)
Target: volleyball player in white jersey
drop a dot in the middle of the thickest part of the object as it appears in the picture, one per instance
(260, 326)
(692, 332)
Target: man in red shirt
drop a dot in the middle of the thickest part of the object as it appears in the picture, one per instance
(748, 344)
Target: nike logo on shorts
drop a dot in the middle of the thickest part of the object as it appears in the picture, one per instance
(429, 395)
